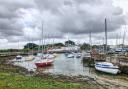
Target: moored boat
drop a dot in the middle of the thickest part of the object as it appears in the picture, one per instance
(29, 58)
(107, 67)
(18, 58)
(78, 55)
(44, 62)
(70, 55)
(50, 56)
(86, 55)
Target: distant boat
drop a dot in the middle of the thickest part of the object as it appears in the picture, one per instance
(29, 58)
(71, 55)
(18, 58)
(107, 67)
(86, 55)
(78, 55)
(66, 54)
(50, 56)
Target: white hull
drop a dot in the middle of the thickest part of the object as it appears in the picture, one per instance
(18, 60)
(70, 56)
(50, 56)
(29, 58)
(107, 67)
(107, 70)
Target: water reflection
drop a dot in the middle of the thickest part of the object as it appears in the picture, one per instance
(68, 66)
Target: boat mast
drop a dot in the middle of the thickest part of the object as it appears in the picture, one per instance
(42, 39)
(18, 45)
(90, 40)
(39, 46)
(117, 41)
(123, 40)
(105, 35)
(68, 42)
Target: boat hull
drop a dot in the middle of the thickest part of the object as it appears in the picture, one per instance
(108, 70)
(70, 56)
(44, 64)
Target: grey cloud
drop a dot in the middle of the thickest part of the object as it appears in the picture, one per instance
(83, 16)
(60, 17)
(10, 16)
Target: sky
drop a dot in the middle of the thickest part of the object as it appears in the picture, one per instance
(21, 21)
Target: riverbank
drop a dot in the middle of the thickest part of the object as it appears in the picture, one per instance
(18, 81)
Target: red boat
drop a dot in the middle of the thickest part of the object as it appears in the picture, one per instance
(44, 63)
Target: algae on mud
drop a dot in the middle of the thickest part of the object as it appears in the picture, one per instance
(9, 81)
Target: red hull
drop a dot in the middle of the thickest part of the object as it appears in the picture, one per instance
(44, 64)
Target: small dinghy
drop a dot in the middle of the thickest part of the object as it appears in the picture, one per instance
(29, 58)
(78, 55)
(107, 67)
(18, 58)
(50, 56)
(70, 55)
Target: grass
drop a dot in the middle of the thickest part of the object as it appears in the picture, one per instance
(17, 81)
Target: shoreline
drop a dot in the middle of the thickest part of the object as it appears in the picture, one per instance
(102, 83)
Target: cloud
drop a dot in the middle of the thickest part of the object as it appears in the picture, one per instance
(18, 18)
(10, 23)
(81, 17)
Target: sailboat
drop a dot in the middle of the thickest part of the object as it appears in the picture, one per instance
(18, 58)
(70, 55)
(30, 57)
(41, 61)
(106, 67)
(49, 55)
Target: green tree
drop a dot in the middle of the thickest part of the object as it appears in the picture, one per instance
(59, 44)
(85, 46)
(30, 46)
(69, 42)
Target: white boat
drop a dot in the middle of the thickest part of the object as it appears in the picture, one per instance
(29, 58)
(86, 55)
(18, 58)
(107, 67)
(78, 55)
(50, 56)
(70, 55)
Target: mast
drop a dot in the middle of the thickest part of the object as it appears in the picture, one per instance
(39, 47)
(90, 40)
(42, 38)
(18, 44)
(123, 40)
(32, 46)
(117, 41)
(105, 35)
(68, 39)
(53, 43)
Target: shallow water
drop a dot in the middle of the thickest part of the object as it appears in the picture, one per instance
(68, 66)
